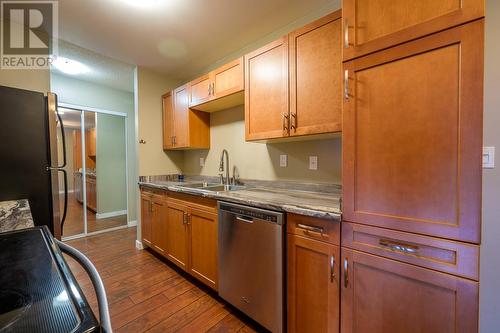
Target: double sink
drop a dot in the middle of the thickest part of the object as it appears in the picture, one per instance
(211, 187)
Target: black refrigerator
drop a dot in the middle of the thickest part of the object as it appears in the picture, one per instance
(30, 166)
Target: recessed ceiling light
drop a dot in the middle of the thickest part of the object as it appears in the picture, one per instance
(142, 3)
(69, 66)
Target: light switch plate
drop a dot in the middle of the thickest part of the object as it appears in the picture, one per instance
(202, 161)
(313, 162)
(488, 157)
(283, 161)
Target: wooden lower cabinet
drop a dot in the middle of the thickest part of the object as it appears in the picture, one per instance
(177, 234)
(183, 229)
(386, 296)
(146, 212)
(159, 224)
(313, 285)
(203, 246)
(91, 188)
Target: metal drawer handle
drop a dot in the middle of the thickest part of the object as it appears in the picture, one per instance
(244, 219)
(319, 230)
(332, 269)
(346, 32)
(346, 273)
(294, 122)
(286, 122)
(346, 85)
(401, 247)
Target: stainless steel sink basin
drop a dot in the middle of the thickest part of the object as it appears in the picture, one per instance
(198, 185)
(212, 187)
(224, 188)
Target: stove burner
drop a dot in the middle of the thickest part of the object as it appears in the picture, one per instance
(14, 304)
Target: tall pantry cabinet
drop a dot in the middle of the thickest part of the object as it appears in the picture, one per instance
(412, 140)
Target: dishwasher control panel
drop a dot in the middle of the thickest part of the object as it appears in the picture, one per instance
(254, 213)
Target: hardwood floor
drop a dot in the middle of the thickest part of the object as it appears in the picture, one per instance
(147, 295)
(74, 219)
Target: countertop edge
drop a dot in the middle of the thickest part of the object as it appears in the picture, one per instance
(307, 211)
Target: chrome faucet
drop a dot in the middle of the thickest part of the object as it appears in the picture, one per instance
(224, 167)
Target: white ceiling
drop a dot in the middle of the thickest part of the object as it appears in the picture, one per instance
(176, 37)
(102, 70)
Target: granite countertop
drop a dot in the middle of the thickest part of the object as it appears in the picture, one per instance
(317, 200)
(15, 215)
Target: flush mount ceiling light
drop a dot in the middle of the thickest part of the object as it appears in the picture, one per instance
(142, 3)
(69, 66)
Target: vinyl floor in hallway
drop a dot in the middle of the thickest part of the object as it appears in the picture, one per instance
(147, 295)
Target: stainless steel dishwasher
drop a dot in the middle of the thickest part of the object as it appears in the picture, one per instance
(251, 262)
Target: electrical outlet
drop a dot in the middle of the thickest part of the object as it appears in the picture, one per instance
(313, 162)
(488, 157)
(283, 161)
(202, 161)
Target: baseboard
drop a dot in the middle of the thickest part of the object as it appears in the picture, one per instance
(110, 214)
(138, 245)
(132, 224)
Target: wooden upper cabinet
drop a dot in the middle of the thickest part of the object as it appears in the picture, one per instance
(177, 234)
(313, 285)
(315, 77)
(203, 246)
(385, 296)
(228, 79)
(266, 91)
(146, 219)
(220, 89)
(184, 128)
(371, 25)
(168, 120)
(412, 136)
(200, 90)
(91, 142)
(181, 117)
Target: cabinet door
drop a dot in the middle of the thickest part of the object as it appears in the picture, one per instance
(203, 246)
(181, 117)
(200, 90)
(266, 92)
(168, 120)
(315, 77)
(228, 79)
(412, 128)
(177, 234)
(371, 25)
(146, 219)
(91, 142)
(159, 225)
(385, 296)
(313, 285)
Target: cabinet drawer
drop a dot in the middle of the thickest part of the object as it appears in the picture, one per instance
(205, 204)
(153, 191)
(443, 255)
(314, 228)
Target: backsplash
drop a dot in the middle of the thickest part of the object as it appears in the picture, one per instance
(260, 160)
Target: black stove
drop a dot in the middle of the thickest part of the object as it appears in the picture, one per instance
(38, 292)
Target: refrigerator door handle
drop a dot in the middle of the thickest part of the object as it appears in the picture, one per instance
(55, 117)
(65, 198)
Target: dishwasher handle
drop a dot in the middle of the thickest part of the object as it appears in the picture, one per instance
(244, 219)
(104, 317)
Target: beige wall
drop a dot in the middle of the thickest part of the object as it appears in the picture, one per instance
(150, 86)
(490, 249)
(259, 160)
(36, 80)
